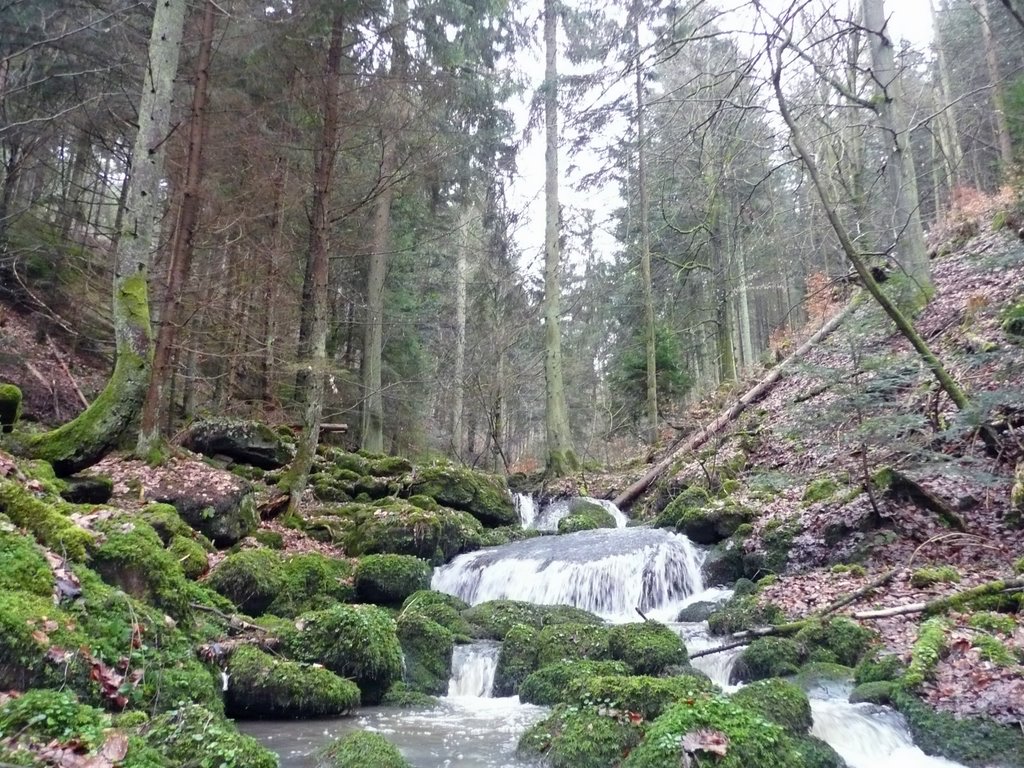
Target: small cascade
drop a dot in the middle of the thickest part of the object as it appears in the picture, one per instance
(473, 668)
(546, 518)
(869, 736)
(610, 572)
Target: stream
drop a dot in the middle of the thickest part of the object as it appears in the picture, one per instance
(610, 572)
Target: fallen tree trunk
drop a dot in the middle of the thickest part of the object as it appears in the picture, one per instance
(941, 604)
(759, 390)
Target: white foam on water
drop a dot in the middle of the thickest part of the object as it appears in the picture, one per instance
(473, 669)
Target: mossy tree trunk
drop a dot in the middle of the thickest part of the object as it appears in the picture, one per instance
(84, 440)
(561, 458)
(318, 268)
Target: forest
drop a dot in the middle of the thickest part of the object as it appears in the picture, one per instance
(642, 376)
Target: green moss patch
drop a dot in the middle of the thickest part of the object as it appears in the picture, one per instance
(648, 647)
(552, 684)
(779, 701)
(264, 686)
(10, 407)
(494, 618)
(390, 579)
(941, 574)
(193, 735)
(927, 649)
(427, 647)
(838, 641)
(559, 642)
(639, 695)
(363, 750)
(579, 738)
(43, 520)
(767, 657)
(585, 516)
(486, 497)
(517, 659)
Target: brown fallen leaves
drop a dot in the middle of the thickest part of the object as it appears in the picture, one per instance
(704, 740)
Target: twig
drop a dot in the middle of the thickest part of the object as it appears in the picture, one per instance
(233, 621)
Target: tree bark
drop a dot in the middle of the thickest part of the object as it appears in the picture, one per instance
(150, 433)
(561, 458)
(84, 440)
(458, 434)
(318, 267)
(998, 96)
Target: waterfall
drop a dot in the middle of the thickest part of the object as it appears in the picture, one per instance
(473, 668)
(610, 572)
(869, 736)
(546, 518)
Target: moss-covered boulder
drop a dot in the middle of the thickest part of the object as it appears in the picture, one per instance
(427, 648)
(716, 521)
(397, 526)
(10, 407)
(648, 647)
(193, 735)
(390, 579)
(561, 642)
(693, 497)
(641, 695)
(251, 579)
(879, 692)
(777, 700)
(401, 696)
(753, 742)
(585, 516)
(363, 750)
(494, 618)
(767, 657)
(696, 612)
(444, 609)
(553, 683)
(838, 640)
(42, 516)
(815, 753)
(516, 660)
(1012, 320)
(359, 642)
(743, 612)
(572, 737)
(878, 667)
(263, 686)
(243, 441)
(486, 497)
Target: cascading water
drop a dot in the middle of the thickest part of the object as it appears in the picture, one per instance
(473, 669)
(610, 572)
(546, 518)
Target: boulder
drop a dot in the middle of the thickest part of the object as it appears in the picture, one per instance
(390, 579)
(363, 749)
(215, 502)
(242, 441)
(427, 653)
(484, 496)
(10, 407)
(648, 647)
(87, 489)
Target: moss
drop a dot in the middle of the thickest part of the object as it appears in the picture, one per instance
(494, 618)
(695, 612)
(777, 539)
(579, 738)
(191, 555)
(264, 686)
(43, 520)
(993, 649)
(1012, 320)
(363, 750)
(815, 753)
(741, 613)
(22, 566)
(993, 622)
(251, 579)
(269, 539)
(132, 558)
(942, 574)
(924, 655)
(427, 649)
(879, 668)
(777, 700)
(641, 695)
(706, 522)
(837, 640)
(558, 642)
(878, 692)
(195, 736)
(10, 407)
(444, 609)
(401, 696)
(1018, 565)
(647, 647)
(973, 742)
(585, 516)
(355, 641)
(690, 498)
(167, 523)
(822, 489)
(390, 579)
(41, 716)
(767, 657)
(853, 570)
(312, 582)
(517, 659)
(754, 742)
(385, 466)
(552, 684)
(486, 497)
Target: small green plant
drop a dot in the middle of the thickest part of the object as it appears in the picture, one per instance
(993, 649)
(993, 622)
(852, 569)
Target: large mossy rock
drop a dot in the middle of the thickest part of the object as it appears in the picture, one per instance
(486, 497)
(572, 737)
(359, 642)
(709, 523)
(246, 442)
(516, 660)
(427, 652)
(837, 641)
(10, 407)
(397, 526)
(390, 579)
(585, 516)
(780, 701)
(193, 735)
(444, 609)
(363, 750)
(649, 648)
(741, 613)
(767, 657)
(554, 683)
(640, 694)
(263, 686)
(493, 619)
(754, 742)
(562, 642)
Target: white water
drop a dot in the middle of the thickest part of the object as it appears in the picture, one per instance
(546, 518)
(473, 669)
(609, 572)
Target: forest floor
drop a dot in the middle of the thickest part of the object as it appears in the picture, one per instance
(858, 405)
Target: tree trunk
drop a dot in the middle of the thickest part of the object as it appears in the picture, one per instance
(953, 152)
(150, 433)
(998, 96)
(458, 433)
(561, 458)
(84, 440)
(901, 177)
(318, 267)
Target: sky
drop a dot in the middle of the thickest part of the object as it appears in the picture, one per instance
(909, 20)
